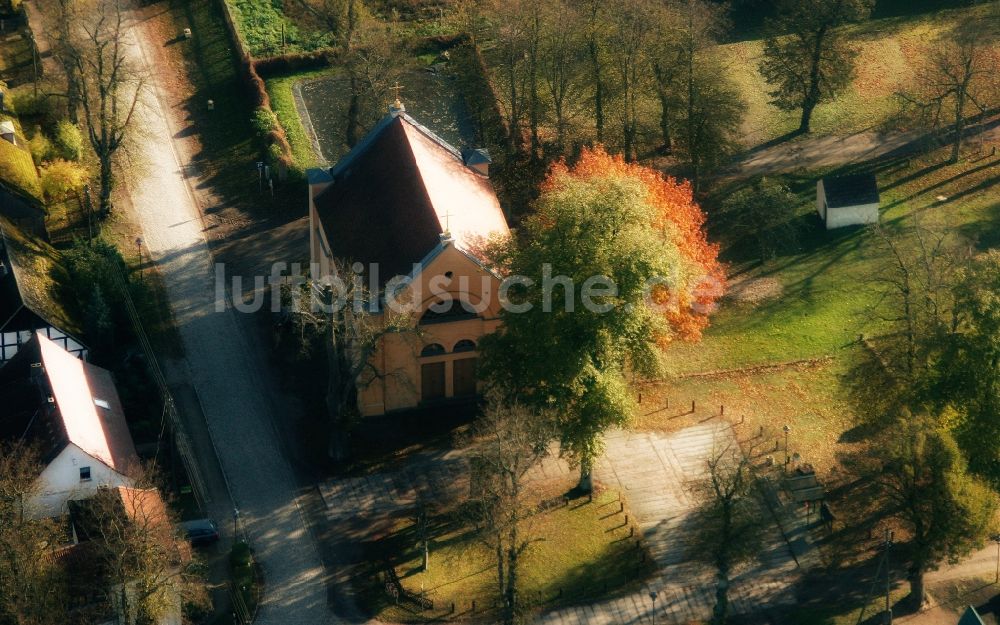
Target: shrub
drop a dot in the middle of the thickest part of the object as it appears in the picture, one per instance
(27, 103)
(40, 147)
(60, 178)
(70, 140)
(263, 121)
(275, 154)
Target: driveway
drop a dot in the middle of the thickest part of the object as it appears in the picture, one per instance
(228, 373)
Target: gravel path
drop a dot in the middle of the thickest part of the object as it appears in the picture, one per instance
(227, 373)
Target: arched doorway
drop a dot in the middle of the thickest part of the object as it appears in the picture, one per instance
(432, 374)
(464, 370)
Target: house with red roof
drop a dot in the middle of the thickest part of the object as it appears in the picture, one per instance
(410, 213)
(71, 410)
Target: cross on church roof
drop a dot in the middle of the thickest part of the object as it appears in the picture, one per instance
(396, 88)
(447, 221)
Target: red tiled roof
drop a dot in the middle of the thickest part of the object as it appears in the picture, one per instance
(77, 386)
(392, 197)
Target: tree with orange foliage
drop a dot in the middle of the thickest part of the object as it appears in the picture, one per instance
(613, 265)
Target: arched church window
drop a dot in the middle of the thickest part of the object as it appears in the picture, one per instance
(434, 349)
(465, 345)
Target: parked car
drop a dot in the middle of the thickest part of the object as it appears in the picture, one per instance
(201, 531)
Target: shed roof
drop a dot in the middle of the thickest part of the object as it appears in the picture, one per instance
(851, 190)
(970, 617)
(397, 191)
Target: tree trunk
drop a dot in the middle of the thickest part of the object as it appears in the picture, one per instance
(107, 183)
(916, 579)
(721, 610)
(956, 145)
(812, 95)
(661, 93)
(595, 60)
(586, 483)
(807, 110)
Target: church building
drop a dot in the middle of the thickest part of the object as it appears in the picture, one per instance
(404, 202)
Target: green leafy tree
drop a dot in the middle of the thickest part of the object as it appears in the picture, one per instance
(969, 371)
(69, 139)
(764, 212)
(946, 512)
(806, 59)
(601, 233)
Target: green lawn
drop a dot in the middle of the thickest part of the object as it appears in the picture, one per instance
(580, 550)
(827, 290)
(281, 90)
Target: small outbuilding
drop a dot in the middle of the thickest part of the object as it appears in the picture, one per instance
(847, 200)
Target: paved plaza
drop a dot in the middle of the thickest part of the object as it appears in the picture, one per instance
(653, 471)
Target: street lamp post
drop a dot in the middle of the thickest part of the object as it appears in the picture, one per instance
(236, 519)
(996, 537)
(652, 596)
(786, 429)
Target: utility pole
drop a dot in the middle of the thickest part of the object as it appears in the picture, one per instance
(888, 608)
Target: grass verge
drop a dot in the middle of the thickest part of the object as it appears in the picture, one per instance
(579, 552)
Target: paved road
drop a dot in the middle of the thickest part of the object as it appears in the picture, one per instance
(810, 153)
(227, 375)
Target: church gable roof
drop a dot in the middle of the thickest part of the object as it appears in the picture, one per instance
(396, 192)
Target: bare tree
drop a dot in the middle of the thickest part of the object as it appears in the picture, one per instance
(729, 519)
(597, 37)
(959, 80)
(352, 323)
(32, 588)
(561, 63)
(917, 298)
(373, 61)
(630, 30)
(146, 570)
(512, 440)
(111, 85)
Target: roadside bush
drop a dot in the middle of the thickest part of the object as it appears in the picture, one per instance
(70, 140)
(60, 178)
(40, 147)
(274, 154)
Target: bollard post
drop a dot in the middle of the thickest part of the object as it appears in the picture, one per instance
(621, 507)
(692, 405)
(626, 519)
(473, 606)
(722, 411)
(631, 531)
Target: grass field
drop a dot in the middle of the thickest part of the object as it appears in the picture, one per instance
(890, 53)
(579, 552)
(818, 300)
(281, 90)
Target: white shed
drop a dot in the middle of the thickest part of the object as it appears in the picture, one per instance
(847, 200)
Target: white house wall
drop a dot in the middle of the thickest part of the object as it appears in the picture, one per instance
(851, 215)
(60, 481)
